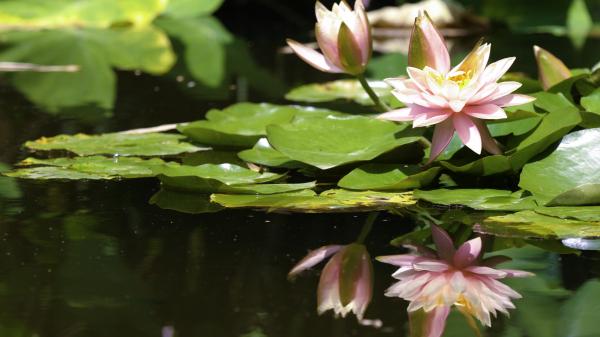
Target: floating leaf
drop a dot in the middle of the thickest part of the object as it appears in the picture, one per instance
(243, 124)
(570, 174)
(95, 51)
(388, 177)
(263, 154)
(341, 90)
(192, 8)
(205, 185)
(121, 144)
(480, 199)
(309, 202)
(579, 315)
(530, 224)
(591, 102)
(334, 141)
(185, 202)
(583, 213)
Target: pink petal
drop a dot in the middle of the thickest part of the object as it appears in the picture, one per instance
(488, 142)
(398, 260)
(442, 135)
(443, 242)
(430, 265)
(431, 117)
(418, 76)
(517, 273)
(486, 271)
(485, 111)
(364, 286)
(467, 132)
(328, 46)
(328, 295)
(399, 115)
(468, 253)
(457, 105)
(313, 258)
(313, 57)
(436, 321)
(363, 34)
(494, 71)
(427, 46)
(503, 89)
(513, 100)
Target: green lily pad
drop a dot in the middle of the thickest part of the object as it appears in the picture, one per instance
(583, 213)
(243, 124)
(591, 102)
(205, 185)
(479, 199)
(341, 90)
(334, 141)
(191, 8)
(530, 224)
(309, 202)
(185, 202)
(570, 174)
(227, 174)
(121, 144)
(263, 154)
(388, 177)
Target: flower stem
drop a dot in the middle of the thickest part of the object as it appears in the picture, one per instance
(366, 228)
(378, 103)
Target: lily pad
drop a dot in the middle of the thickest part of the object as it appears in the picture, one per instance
(121, 144)
(479, 199)
(204, 185)
(583, 213)
(243, 124)
(530, 224)
(334, 141)
(570, 174)
(309, 202)
(263, 154)
(388, 177)
(185, 202)
(591, 102)
(350, 90)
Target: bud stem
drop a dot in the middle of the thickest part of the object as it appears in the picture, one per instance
(366, 228)
(378, 103)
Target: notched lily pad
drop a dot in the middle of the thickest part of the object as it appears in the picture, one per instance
(479, 199)
(185, 202)
(350, 90)
(121, 144)
(335, 200)
(263, 154)
(388, 177)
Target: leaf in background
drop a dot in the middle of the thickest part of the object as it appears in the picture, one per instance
(581, 313)
(388, 177)
(204, 40)
(569, 175)
(334, 141)
(479, 199)
(185, 202)
(243, 124)
(530, 224)
(191, 8)
(329, 201)
(583, 213)
(388, 65)
(120, 144)
(591, 102)
(579, 22)
(95, 51)
(341, 90)
(43, 14)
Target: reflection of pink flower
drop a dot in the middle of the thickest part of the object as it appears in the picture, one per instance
(435, 281)
(346, 281)
(452, 99)
(344, 36)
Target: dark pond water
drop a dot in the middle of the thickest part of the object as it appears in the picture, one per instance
(96, 259)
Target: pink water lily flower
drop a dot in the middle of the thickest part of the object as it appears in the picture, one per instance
(453, 99)
(344, 36)
(435, 281)
(346, 283)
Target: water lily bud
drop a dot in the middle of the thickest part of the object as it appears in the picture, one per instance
(344, 37)
(427, 47)
(551, 69)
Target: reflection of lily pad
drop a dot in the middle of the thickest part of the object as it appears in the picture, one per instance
(480, 199)
(570, 174)
(121, 144)
(309, 202)
(95, 51)
(334, 141)
(341, 89)
(388, 177)
(185, 202)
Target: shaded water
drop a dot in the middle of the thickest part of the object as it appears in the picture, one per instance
(96, 259)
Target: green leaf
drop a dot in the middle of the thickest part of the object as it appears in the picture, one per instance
(579, 22)
(580, 314)
(328, 201)
(334, 141)
(43, 14)
(185, 202)
(243, 124)
(117, 144)
(341, 90)
(569, 175)
(204, 185)
(591, 102)
(192, 8)
(95, 52)
(480, 199)
(583, 213)
(263, 154)
(227, 174)
(388, 65)
(388, 177)
(530, 224)
(204, 40)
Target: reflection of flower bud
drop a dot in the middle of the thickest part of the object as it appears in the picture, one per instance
(551, 69)
(346, 283)
(433, 282)
(344, 36)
